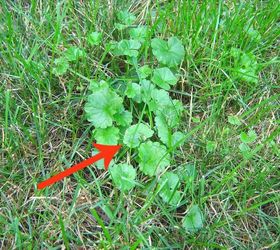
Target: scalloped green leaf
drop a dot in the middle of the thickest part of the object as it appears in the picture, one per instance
(126, 17)
(162, 104)
(153, 158)
(170, 53)
(234, 120)
(123, 176)
(94, 38)
(165, 133)
(107, 136)
(145, 71)
(193, 221)
(136, 134)
(102, 105)
(133, 91)
(61, 66)
(123, 118)
(249, 137)
(163, 77)
(74, 53)
(139, 33)
(127, 48)
(245, 65)
(147, 89)
(170, 183)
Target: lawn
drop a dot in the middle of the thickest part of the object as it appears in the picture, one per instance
(190, 89)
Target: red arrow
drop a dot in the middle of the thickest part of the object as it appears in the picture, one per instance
(106, 152)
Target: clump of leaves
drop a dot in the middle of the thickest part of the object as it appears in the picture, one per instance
(140, 98)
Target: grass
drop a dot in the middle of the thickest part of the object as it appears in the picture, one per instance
(44, 129)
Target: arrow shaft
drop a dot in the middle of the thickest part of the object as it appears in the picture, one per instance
(70, 171)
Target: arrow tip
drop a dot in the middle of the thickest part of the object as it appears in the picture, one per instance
(108, 152)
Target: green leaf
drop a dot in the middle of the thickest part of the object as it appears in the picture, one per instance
(61, 66)
(164, 133)
(244, 147)
(137, 133)
(145, 71)
(254, 35)
(178, 139)
(139, 33)
(189, 173)
(123, 176)
(193, 221)
(102, 105)
(94, 38)
(126, 17)
(170, 183)
(196, 119)
(123, 118)
(245, 150)
(173, 113)
(127, 48)
(133, 91)
(210, 146)
(249, 137)
(107, 136)
(170, 53)
(245, 65)
(146, 89)
(234, 120)
(164, 77)
(162, 104)
(74, 53)
(160, 100)
(153, 158)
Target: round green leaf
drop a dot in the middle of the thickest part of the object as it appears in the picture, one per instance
(193, 221)
(107, 136)
(94, 38)
(74, 53)
(127, 48)
(249, 137)
(139, 33)
(164, 77)
(123, 176)
(61, 66)
(153, 158)
(170, 183)
(170, 53)
(133, 91)
(102, 105)
(126, 17)
(123, 118)
(145, 71)
(137, 133)
(234, 120)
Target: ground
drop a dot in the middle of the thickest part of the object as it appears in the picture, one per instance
(229, 87)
